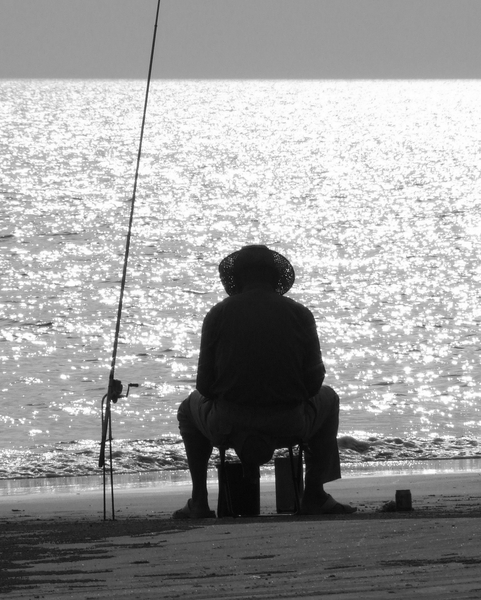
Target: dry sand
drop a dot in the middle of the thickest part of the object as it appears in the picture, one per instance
(57, 545)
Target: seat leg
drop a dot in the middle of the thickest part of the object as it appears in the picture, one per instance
(224, 489)
(296, 476)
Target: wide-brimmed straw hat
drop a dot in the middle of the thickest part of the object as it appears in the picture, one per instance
(256, 256)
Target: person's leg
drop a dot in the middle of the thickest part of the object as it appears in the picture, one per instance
(322, 453)
(192, 415)
(198, 449)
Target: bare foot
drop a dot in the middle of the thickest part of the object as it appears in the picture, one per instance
(328, 507)
(190, 512)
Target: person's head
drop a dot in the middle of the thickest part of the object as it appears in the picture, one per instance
(256, 265)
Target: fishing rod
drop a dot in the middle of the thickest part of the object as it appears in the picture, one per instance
(115, 387)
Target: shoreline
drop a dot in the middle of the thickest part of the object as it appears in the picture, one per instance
(155, 479)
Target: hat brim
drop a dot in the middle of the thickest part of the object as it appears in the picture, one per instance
(285, 272)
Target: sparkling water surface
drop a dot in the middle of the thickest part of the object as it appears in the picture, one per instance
(370, 188)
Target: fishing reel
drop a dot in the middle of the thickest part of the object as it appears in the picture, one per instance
(116, 390)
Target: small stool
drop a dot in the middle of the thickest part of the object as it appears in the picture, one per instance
(240, 496)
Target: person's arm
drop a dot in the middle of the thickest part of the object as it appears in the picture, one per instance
(314, 370)
(206, 370)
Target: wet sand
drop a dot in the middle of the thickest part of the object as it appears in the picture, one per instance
(56, 545)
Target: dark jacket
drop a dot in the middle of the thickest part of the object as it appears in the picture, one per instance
(259, 348)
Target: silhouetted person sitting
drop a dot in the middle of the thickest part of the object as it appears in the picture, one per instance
(259, 382)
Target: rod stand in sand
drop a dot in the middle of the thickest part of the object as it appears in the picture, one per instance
(114, 393)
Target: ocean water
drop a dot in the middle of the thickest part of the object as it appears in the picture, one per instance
(371, 188)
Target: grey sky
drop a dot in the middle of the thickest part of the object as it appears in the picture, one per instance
(242, 38)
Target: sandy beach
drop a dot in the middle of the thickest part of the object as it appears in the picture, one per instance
(56, 544)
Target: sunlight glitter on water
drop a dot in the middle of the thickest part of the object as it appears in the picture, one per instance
(370, 188)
